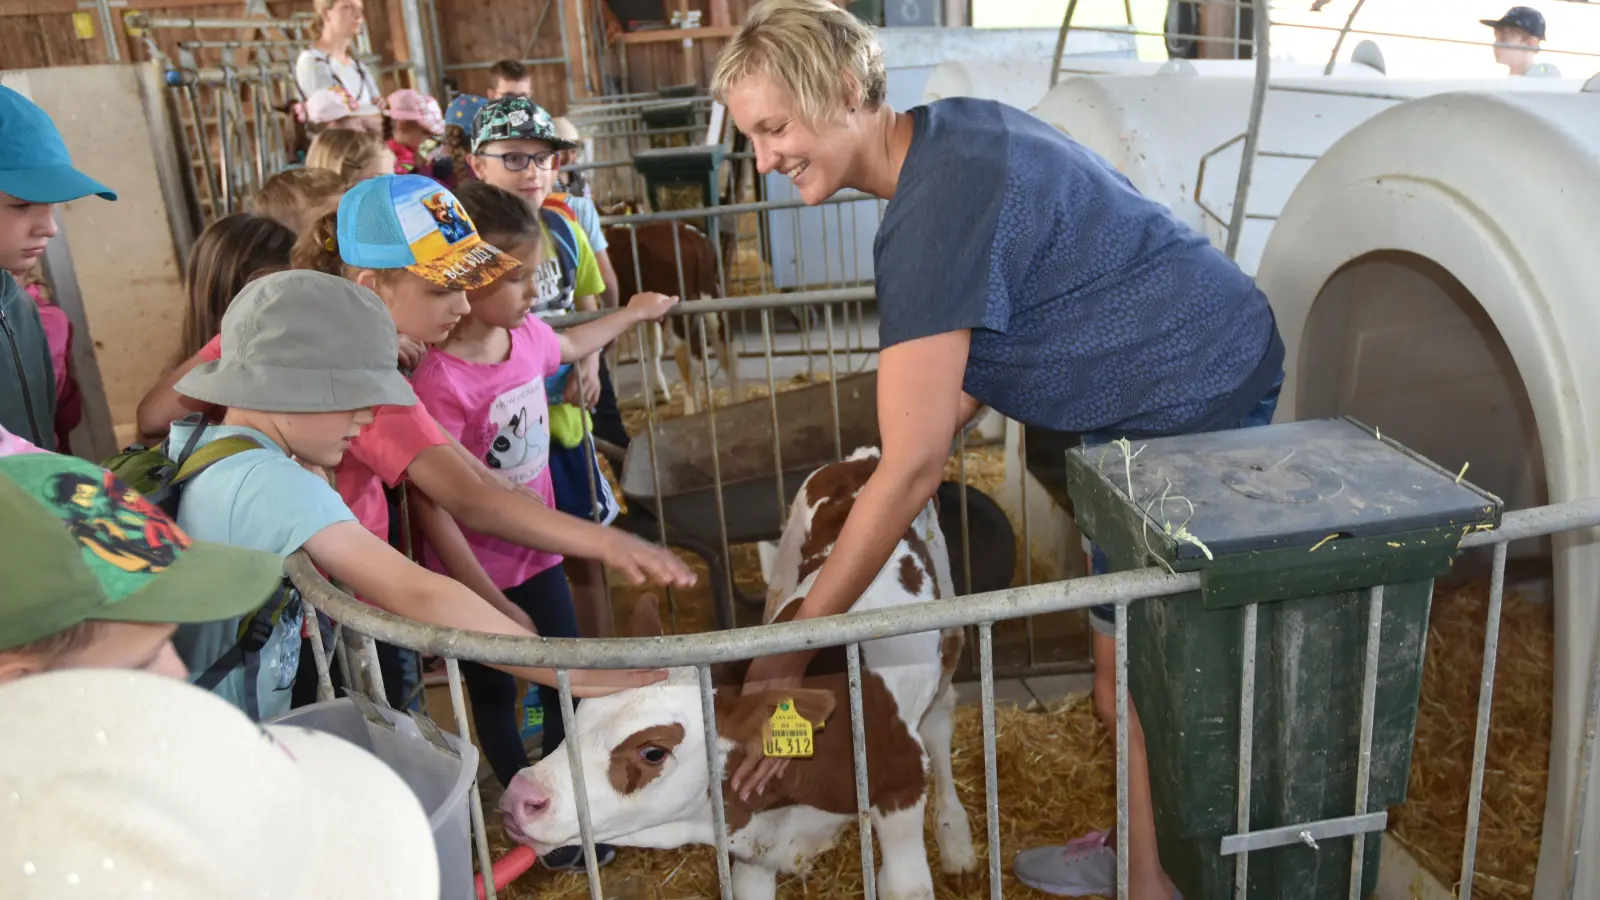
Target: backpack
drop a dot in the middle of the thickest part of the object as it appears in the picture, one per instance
(562, 223)
(154, 473)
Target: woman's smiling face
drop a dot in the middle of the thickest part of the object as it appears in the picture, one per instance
(816, 155)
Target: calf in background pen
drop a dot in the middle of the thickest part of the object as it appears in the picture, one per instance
(658, 271)
(643, 751)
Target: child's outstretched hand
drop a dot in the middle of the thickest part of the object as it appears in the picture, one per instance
(650, 306)
(640, 561)
(411, 352)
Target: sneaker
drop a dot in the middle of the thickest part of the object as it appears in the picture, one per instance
(570, 859)
(1084, 867)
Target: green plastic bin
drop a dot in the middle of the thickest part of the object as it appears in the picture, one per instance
(695, 166)
(1302, 519)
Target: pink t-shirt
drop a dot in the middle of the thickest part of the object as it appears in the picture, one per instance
(499, 413)
(11, 445)
(57, 333)
(380, 456)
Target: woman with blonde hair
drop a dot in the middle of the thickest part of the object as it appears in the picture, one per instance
(353, 155)
(1015, 269)
(330, 62)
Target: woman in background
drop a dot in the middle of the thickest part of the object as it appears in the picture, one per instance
(330, 61)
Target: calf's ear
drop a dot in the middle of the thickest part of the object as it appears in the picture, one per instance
(646, 619)
(744, 725)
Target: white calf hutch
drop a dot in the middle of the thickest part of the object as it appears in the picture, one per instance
(1178, 137)
(1436, 296)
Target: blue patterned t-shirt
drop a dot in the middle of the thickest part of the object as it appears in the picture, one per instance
(1092, 308)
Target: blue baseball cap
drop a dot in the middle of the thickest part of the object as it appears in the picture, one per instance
(34, 163)
(1522, 18)
(412, 222)
(462, 110)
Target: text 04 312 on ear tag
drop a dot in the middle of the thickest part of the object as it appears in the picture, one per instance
(788, 734)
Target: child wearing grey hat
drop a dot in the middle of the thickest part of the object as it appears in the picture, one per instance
(305, 358)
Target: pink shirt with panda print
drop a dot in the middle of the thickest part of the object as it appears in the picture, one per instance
(499, 413)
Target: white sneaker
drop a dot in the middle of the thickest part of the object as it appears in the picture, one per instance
(1084, 867)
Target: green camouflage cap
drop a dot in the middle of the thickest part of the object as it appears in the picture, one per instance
(515, 118)
(76, 543)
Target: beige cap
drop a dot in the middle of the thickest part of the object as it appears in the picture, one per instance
(305, 342)
(566, 130)
(120, 784)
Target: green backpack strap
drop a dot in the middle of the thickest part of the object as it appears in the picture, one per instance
(214, 452)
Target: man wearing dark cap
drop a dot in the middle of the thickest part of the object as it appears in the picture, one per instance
(1517, 36)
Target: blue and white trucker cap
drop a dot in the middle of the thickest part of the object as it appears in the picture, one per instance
(412, 222)
(34, 164)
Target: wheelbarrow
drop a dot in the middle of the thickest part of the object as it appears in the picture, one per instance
(751, 483)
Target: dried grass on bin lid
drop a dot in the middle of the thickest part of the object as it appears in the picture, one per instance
(1056, 777)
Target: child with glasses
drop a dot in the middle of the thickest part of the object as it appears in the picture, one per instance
(515, 147)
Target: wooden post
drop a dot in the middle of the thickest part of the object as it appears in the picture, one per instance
(579, 57)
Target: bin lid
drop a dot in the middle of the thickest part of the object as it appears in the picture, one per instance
(1288, 485)
(704, 154)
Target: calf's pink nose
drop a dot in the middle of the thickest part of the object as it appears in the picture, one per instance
(524, 800)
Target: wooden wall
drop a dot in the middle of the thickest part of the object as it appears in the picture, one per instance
(42, 33)
(483, 31)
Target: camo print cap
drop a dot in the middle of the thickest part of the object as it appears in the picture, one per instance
(515, 118)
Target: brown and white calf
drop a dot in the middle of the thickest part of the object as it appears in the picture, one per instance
(658, 267)
(643, 750)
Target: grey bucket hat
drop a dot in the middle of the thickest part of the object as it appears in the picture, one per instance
(303, 342)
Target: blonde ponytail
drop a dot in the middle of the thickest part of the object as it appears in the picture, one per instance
(318, 248)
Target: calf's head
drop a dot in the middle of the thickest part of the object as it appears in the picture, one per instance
(643, 757)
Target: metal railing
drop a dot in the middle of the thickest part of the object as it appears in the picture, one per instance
(982, 612)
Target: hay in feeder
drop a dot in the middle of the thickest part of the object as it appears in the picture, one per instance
(1432, 822)
(1056, 778)
(635, 414)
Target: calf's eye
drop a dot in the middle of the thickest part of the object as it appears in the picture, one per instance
(655, 756)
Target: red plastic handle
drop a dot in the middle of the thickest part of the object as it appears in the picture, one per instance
(507, 869)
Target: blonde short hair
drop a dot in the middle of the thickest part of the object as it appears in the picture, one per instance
(344, 151)
(822, 55)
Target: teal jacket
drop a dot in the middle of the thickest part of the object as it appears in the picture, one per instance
(27, 377)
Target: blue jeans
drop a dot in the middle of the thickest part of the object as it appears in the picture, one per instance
(1103, 618)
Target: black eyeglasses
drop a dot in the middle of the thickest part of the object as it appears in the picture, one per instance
(516, 162)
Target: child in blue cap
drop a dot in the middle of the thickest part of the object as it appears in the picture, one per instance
(450, 166)
(36, 173)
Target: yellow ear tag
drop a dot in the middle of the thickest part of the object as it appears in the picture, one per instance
(788, 734)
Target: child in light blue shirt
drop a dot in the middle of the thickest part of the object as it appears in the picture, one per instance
(305, 357)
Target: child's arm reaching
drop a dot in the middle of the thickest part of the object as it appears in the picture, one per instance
(451, 546)
(163, 405)
(515, 516)
(355, 556)
(580, 342)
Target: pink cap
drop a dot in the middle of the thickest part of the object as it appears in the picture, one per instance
(329, 105)
(410, 105)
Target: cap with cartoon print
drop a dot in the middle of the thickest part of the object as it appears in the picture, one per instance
(76, 543)
(412, 222)
(515, 118)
